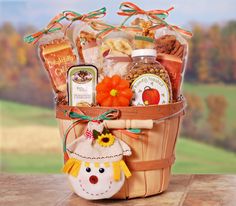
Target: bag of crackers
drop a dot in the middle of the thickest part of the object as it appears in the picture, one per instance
(117, 90)
(57, 56)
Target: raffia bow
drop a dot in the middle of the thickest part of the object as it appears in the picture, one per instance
(104, 29)
(157, 17)
(71, 16)
(130, 9)
(74, 16)
(53, 26)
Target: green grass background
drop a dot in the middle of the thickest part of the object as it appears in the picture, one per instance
(192, 156)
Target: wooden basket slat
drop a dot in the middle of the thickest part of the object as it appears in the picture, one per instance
(154, 151)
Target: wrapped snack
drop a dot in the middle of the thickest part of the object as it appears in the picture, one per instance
(172, 51)
(85, 40)
(145, 38)
(116, 51)
(57, 56)
(145, 20)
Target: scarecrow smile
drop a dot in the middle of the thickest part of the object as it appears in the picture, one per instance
(95, 194)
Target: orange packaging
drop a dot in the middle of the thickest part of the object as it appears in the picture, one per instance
(173, 66)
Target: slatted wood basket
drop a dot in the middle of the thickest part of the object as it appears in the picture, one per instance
(153, 153)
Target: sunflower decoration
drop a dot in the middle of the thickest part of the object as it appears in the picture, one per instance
(106, 140)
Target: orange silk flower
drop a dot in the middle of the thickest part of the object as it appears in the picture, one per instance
(113, 91)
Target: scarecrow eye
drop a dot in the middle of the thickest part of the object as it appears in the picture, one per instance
(101, 170)
(88, 169)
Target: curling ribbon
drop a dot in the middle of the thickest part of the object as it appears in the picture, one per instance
(105, 29)
(54, 25)
(74, 16)
(130, 9)
(156, 16)
(172, 27)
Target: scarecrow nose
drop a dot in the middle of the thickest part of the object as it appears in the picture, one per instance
(93, 179)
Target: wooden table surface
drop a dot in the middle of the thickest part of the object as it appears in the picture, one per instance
(187, 190)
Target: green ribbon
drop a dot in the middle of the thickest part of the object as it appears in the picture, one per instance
(135, 131)
(31, 38)
(54, 25)
(104, 116)
(144, 38)
(74, 16)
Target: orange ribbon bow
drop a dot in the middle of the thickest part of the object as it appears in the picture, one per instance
(130, 9)
(105, 29)
(54, 25)
(156, 16)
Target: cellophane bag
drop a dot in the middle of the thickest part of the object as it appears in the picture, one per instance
(57, 56)
(84, 37)
(143, 39)
(172, 50)
(115, 52)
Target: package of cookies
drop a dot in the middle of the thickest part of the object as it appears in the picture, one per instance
(172, 49)
(115, 51)
(57, 56)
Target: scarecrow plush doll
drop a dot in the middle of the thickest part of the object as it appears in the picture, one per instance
(95, 168)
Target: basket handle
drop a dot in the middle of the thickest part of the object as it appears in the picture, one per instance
(176, 114)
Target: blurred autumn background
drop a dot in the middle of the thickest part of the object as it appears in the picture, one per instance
(30, 139)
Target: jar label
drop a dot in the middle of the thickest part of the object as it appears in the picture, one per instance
(150, 89)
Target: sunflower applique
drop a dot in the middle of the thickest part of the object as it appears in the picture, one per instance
(106, 140)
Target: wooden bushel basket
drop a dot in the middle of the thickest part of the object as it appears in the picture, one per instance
(153, 153)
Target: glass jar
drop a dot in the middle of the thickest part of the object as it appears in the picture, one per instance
(149, 80)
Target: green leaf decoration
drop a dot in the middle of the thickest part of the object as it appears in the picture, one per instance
(106, 131)
(96, 134)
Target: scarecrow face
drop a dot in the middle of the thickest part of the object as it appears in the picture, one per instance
(96, 181)
(95, 168)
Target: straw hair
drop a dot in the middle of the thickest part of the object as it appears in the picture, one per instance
(72, 167)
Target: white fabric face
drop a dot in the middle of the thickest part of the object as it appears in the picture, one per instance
(95, 168)
(96, 182)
